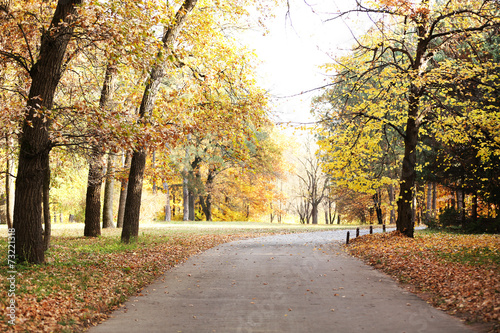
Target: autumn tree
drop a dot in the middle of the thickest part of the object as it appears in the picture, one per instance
(402, 52)
(44, 70)
(314, 184)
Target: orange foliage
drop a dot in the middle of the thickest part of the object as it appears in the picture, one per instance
(459, 273)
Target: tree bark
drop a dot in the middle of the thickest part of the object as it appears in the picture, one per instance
(9, 187)
(434, 200)
(404, 223)
(109, 187)
(46, 210)
(206, 203)
(134, 194)
(134, 191)
(474, 207)
(314, 213)
(191, 202)
(93, 198)
(34, 141)
(123, 193)
(377, 201)
(168, 208)
(185, 198)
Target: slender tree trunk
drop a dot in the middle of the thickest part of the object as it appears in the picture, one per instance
(434, 200)
(474, 207)
(34, 142)
(109, 188)
(9, 186)
(392, 197)
(96, 165)
(377, 200)
(168, 209)
(123, 192)
(191, 202)
(185, 198)
(134, 191)
(429, 202)
(93, 198)
(46, 210)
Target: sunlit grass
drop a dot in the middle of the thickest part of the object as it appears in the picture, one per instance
(201, 227)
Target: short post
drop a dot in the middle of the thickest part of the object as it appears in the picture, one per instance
(371, 229)
(357, 232)
(383, 227)
(347, 238)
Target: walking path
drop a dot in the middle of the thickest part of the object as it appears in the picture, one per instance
(285, 283)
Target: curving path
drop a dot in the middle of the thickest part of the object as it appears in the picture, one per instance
(286, 283)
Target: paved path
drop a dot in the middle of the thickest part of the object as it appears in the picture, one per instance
(287, 283)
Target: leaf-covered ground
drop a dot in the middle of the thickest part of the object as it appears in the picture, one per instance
(456, 273)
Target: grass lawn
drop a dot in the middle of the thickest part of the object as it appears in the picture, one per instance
(456, 273)
(85, 278)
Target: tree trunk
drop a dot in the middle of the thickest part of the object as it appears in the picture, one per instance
(46, 210)
(34, 142)
(434, 200)
(404, 223)
(9, 187)
(377, 201)
(93, 198)
(429, 202)
(123, 192)
(314, 213)
(104, 103)
(134, 191)
(191, 202)
(134, 194)
(185, 198)
(109, 188)
(474, 207)
(168, 209)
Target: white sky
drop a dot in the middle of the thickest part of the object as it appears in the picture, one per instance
(293, 51)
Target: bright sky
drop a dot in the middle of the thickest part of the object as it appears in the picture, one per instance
(293, 51)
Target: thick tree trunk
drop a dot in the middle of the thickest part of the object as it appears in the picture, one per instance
(314, 213)
(134, 191)
(34, 142)
(405, 223)
(46, 210)
(109, 188)
(93, 198)
(123, 192)
(134, 194)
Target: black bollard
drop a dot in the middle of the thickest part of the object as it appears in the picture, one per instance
(371, 229)
(357, 232)
(347, 238)
(383, 227)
